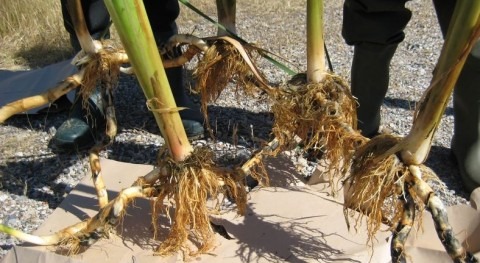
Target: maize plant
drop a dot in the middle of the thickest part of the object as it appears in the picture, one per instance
(318, 110)
(186, 176)
(315, 109)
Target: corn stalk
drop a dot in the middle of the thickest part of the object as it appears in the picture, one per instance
(131, 22)
(463, 33)
(315, 42)
(379, 176)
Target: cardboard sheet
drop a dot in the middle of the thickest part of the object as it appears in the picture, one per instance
(288, 222)
(15, 85)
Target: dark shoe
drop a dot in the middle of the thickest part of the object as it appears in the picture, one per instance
(73, 135)
(80, 130)
(193, 129)
(59, 105)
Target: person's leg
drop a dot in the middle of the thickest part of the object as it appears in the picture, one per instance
(466, 138)
(84, 125)
(79, 131)
(226, 13)
(466, 103)
(162, 16)
(96, 17)
(374, 28)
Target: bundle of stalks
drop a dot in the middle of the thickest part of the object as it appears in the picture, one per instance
(187, 177)
(384, 186)
(317, 108)
(190, 175)
(388, 180)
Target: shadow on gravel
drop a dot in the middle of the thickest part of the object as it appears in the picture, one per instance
(248, 125)
(408, 105)
(33, 177)
(251, 130)
(133, 153)
(441, 161)
(37, 122)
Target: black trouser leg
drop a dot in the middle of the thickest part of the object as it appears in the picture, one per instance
(466, 103)
(162, 15)
(96, 17)
(374, 28)
(83, 126)
(466, 138)
(369, 83)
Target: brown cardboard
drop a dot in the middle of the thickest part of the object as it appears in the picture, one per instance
(288, 222)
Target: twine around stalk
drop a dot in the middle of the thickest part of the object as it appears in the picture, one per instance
(151, 107)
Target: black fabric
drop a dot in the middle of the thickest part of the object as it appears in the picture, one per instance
(370, 77)
(444, 9)
(161, 13)
(96, 18)
(375, 21)
(466, 137)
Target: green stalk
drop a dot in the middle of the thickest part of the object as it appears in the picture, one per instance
(44, 240)
(27, 237)
(462, 35)
(131, 22)
(315, 43)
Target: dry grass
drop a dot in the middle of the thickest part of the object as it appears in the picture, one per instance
(32, 34)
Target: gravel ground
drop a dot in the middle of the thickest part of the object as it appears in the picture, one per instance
(34, 179)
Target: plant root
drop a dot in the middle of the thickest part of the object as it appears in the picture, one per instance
(227, 61)
(400, 235)
(97, 178)
(421, 190)
(222, 63)
(190, 184)
(255, 167)
(103, 65)
(101, 69)
(322, 115)
(107, 218)
(110, 133)
(54, 239)
(389, 191)
(83, 234)
(373, 184)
